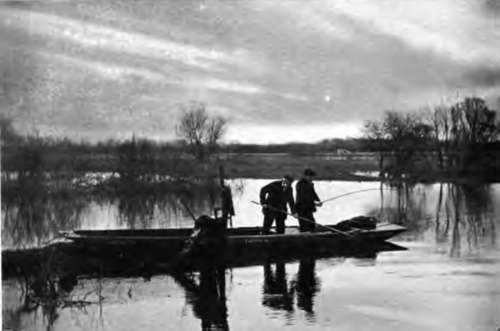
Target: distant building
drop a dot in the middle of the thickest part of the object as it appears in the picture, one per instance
(342, 151)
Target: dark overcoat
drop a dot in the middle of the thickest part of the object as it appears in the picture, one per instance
(273, 195)
(305, 197)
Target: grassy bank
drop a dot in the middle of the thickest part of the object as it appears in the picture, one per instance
(275, 165)
(236, 165)
(147, 161)
(176, 165)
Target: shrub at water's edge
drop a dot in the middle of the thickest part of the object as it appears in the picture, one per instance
(448, 143)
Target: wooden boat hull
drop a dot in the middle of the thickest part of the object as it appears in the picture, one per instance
(133, 252)
(246, 235)
(244, 241)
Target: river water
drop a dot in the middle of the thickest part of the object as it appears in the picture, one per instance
(448, 279)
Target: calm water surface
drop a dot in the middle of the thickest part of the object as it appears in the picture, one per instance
(448, 279)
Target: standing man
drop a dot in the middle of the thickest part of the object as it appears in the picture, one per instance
(225, 200)
(274, 198)
(306, 201)
(227, 203)
(223, 204)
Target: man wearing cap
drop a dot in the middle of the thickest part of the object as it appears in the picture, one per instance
(306, 201)
(274, 198)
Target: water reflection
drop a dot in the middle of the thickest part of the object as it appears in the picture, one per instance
(204, 292)
(32, 215)
(47, 295)
(53, 292)
(462, 217)
(277, 292)
(34, 212)
(207, 296)
(306, 285)
(459, 220)
(280, 294)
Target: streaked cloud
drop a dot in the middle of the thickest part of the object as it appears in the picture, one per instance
(310, 70)
(115, 72)
(104, 70)
(106, 38)
(452, 28)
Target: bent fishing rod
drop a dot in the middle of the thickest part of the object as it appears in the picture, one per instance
(303, 219)
(187, 208)
(354, 192)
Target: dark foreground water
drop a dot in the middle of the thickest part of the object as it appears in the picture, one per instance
(448, 279)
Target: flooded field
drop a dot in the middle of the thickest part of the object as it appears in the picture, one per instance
(448, 279)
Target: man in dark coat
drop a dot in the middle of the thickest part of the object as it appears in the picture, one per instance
(274, 198)
(227, 203)
(223, 203)
(306, 201)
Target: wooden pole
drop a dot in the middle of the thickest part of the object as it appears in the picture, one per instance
(306, 220)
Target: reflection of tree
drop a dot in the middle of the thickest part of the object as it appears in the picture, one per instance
(136, 210)
(455, 200)
(473, 210)
(36, 208)
(439, 208)
(140, 205)
(462, 215)
(49, 294)
(403, 205)
(207, 297)
(277, 294)
(32, 214)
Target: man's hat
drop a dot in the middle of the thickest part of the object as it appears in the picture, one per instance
(309, 172)
(289, 178)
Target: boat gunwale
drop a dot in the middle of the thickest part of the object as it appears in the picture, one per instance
(373, 234)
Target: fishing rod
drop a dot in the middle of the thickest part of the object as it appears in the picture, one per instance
(187, 208)
(304, 219)
(353, 192)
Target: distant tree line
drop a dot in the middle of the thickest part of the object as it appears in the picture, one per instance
(34, 158)
(461, 139)
(455, 140)
(199, 144)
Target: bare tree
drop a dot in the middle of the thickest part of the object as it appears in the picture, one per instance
(200, 130)
(439, 119)
(403, 134)
(480, 121)
(373, 131)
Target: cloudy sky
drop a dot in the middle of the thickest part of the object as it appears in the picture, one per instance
(286, 70)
